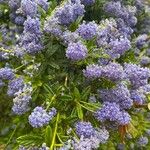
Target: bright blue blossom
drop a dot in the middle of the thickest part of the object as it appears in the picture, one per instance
(93, 71)
(88, 30)
(15, 85)
(6, 74)
(76, 51)
(84, 129)
(39, 117)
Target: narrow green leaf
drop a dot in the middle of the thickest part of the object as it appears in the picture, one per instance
(79, 111)
(48, 135)
(76, 93)
(85, 93)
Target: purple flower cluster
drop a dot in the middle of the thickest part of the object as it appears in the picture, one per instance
(93, 71)
(137, 75)
(141, 40)
(31, 39)
(113, 72)
(88, 2)
(84, 129)
(137, 96)
(52, 26)
(76, 51)
(88, 30)
(6, 73)
(22, 99)
(69, 12)
(29, 7)
(39, 117)
(142, 141)
(70, 37)
(15, 85)
(120, 95)
(120, 11)
(111, 111)
(114, 42)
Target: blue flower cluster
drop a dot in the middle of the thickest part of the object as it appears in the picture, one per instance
(76, 51)
(111, 111)
(21, 99)
(39, 117)
(31, 39)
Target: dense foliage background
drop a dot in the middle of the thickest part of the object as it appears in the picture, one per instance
(74, 74)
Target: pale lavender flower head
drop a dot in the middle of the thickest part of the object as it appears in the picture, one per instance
(113, 72)
(52, 26)
(137, 75)
(70, 37)
(88, 2)
(120, 95)
(84, 129)
(93, 71)
(142, 141)
(124, 118)
(118, 47)
(39, 117)
(109, 111)
(6, 73)
(43, 3)
(88, 30)
(76, 51)
(141, 40)
(32, 26)
(15, 85)
(137, 96)
(29, 8)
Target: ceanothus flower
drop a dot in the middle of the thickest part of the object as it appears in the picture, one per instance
(142, 141)
(32, 26)
(29, 8)
(86, 143)
(88, 2)
(109, 111)
(14, 4)
(70, 37)
(1, 83)
(93, 71)
(113, 71)
(6, 73)
(19, 20)
(137, 75)
(43, 3)
(69, 12)
(124, 118)
(141, 40)
(137, 96)
(53, 27)
(84, 129)
(22, 99)
(119, 94)
(118, 47)
(102, 134)
(39, 117)
(87, 30)
(15, 85)
(76, 51)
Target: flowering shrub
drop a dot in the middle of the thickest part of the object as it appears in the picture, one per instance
(74, 74)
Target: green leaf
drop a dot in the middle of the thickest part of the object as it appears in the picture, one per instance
(66, 97)
(132, 130)
(54, 65)
(48, 135)
(85, 93)
(79, 111)
(30, 139)
(76, 94)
